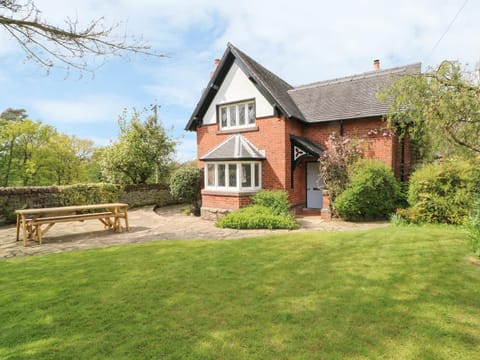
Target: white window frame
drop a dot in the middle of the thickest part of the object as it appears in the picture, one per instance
(234, 109)
(254, 166)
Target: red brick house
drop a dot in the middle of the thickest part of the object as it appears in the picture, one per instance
(255, 131)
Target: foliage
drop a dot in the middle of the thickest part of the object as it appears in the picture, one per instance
(143, 152)
(68, 158)
(372, 192)
(439, 110)
(275, 200)
(473, 227)
(185, 186)
(303, 295)
(340, 153)
(397, 220)
(444, 192)
(257, 217)
(32, 153)
(88, 194)
(69, 47)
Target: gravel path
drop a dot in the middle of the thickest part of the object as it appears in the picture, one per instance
(167, 223)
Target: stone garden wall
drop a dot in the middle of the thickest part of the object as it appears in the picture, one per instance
(14, 198)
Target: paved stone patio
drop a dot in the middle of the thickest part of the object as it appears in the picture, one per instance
(167, 223)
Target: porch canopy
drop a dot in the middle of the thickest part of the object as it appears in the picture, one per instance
(300, 148)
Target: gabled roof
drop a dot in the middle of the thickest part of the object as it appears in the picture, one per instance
(349, 97)
(270, 86)
(235, 147)
(339, 99)
(276, 87)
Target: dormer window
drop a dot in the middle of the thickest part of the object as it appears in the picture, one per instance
(237, 115)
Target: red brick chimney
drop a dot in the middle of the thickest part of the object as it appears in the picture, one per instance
(376, 64)
(216, 62)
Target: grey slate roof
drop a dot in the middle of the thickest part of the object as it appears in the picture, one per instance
(339, 99)
(275, 86)
(235, 147)
(349, 97)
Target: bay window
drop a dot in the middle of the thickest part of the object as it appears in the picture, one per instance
(234, 176)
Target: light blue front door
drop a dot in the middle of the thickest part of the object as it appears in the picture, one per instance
(314, 186)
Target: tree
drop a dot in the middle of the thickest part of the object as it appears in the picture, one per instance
(7, 140)
(13, 114)
(68, 158)
(439, 110)
(143, 152)
(32, 153)
(69, 47)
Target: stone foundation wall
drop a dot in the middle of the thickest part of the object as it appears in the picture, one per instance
(213, 214)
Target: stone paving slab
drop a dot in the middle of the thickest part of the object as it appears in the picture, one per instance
(147, 224)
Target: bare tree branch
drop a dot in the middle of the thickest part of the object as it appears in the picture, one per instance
(69, 47)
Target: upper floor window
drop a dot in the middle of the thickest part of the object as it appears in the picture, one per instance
(237, 115)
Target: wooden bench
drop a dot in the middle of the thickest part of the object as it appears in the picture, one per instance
(31, 220)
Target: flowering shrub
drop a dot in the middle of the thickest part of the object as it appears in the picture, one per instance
(334, 162)
(384, 132)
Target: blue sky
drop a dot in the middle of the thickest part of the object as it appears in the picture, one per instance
(301, 41)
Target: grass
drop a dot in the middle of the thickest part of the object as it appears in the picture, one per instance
(394, 293)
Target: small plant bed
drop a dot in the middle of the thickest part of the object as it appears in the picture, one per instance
(270, 210)
(257, 217)
(391, 293)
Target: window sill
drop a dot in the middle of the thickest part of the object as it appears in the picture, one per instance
(229, 193)
(238, 130)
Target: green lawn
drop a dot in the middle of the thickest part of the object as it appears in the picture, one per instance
(394, 293)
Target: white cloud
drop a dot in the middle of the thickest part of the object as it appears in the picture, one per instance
(301, 41)
(85, 110)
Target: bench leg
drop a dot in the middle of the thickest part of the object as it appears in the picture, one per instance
(126, 219)
(38, 231)
(18, 227)
(25, 234)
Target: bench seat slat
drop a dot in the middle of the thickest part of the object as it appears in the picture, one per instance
(66, 218)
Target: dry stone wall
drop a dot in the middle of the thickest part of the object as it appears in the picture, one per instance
(14, 198)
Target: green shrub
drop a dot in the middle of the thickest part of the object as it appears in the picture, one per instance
(185, 186)
(88, 194)
(275, 200)
(407, 216)
(257, 217)
(473, 228)
(444, 192)
(372, 193)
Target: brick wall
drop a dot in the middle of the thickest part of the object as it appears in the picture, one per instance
(272, 135)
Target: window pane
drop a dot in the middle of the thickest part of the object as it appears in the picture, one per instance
(257, 175)
(223, 117)
(233, 115)
(241, 114)
(211, 175)
(246, 175)
(221, 174)
(232, 175)
(251, 113)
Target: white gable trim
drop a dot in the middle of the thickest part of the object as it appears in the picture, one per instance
(237, 87)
